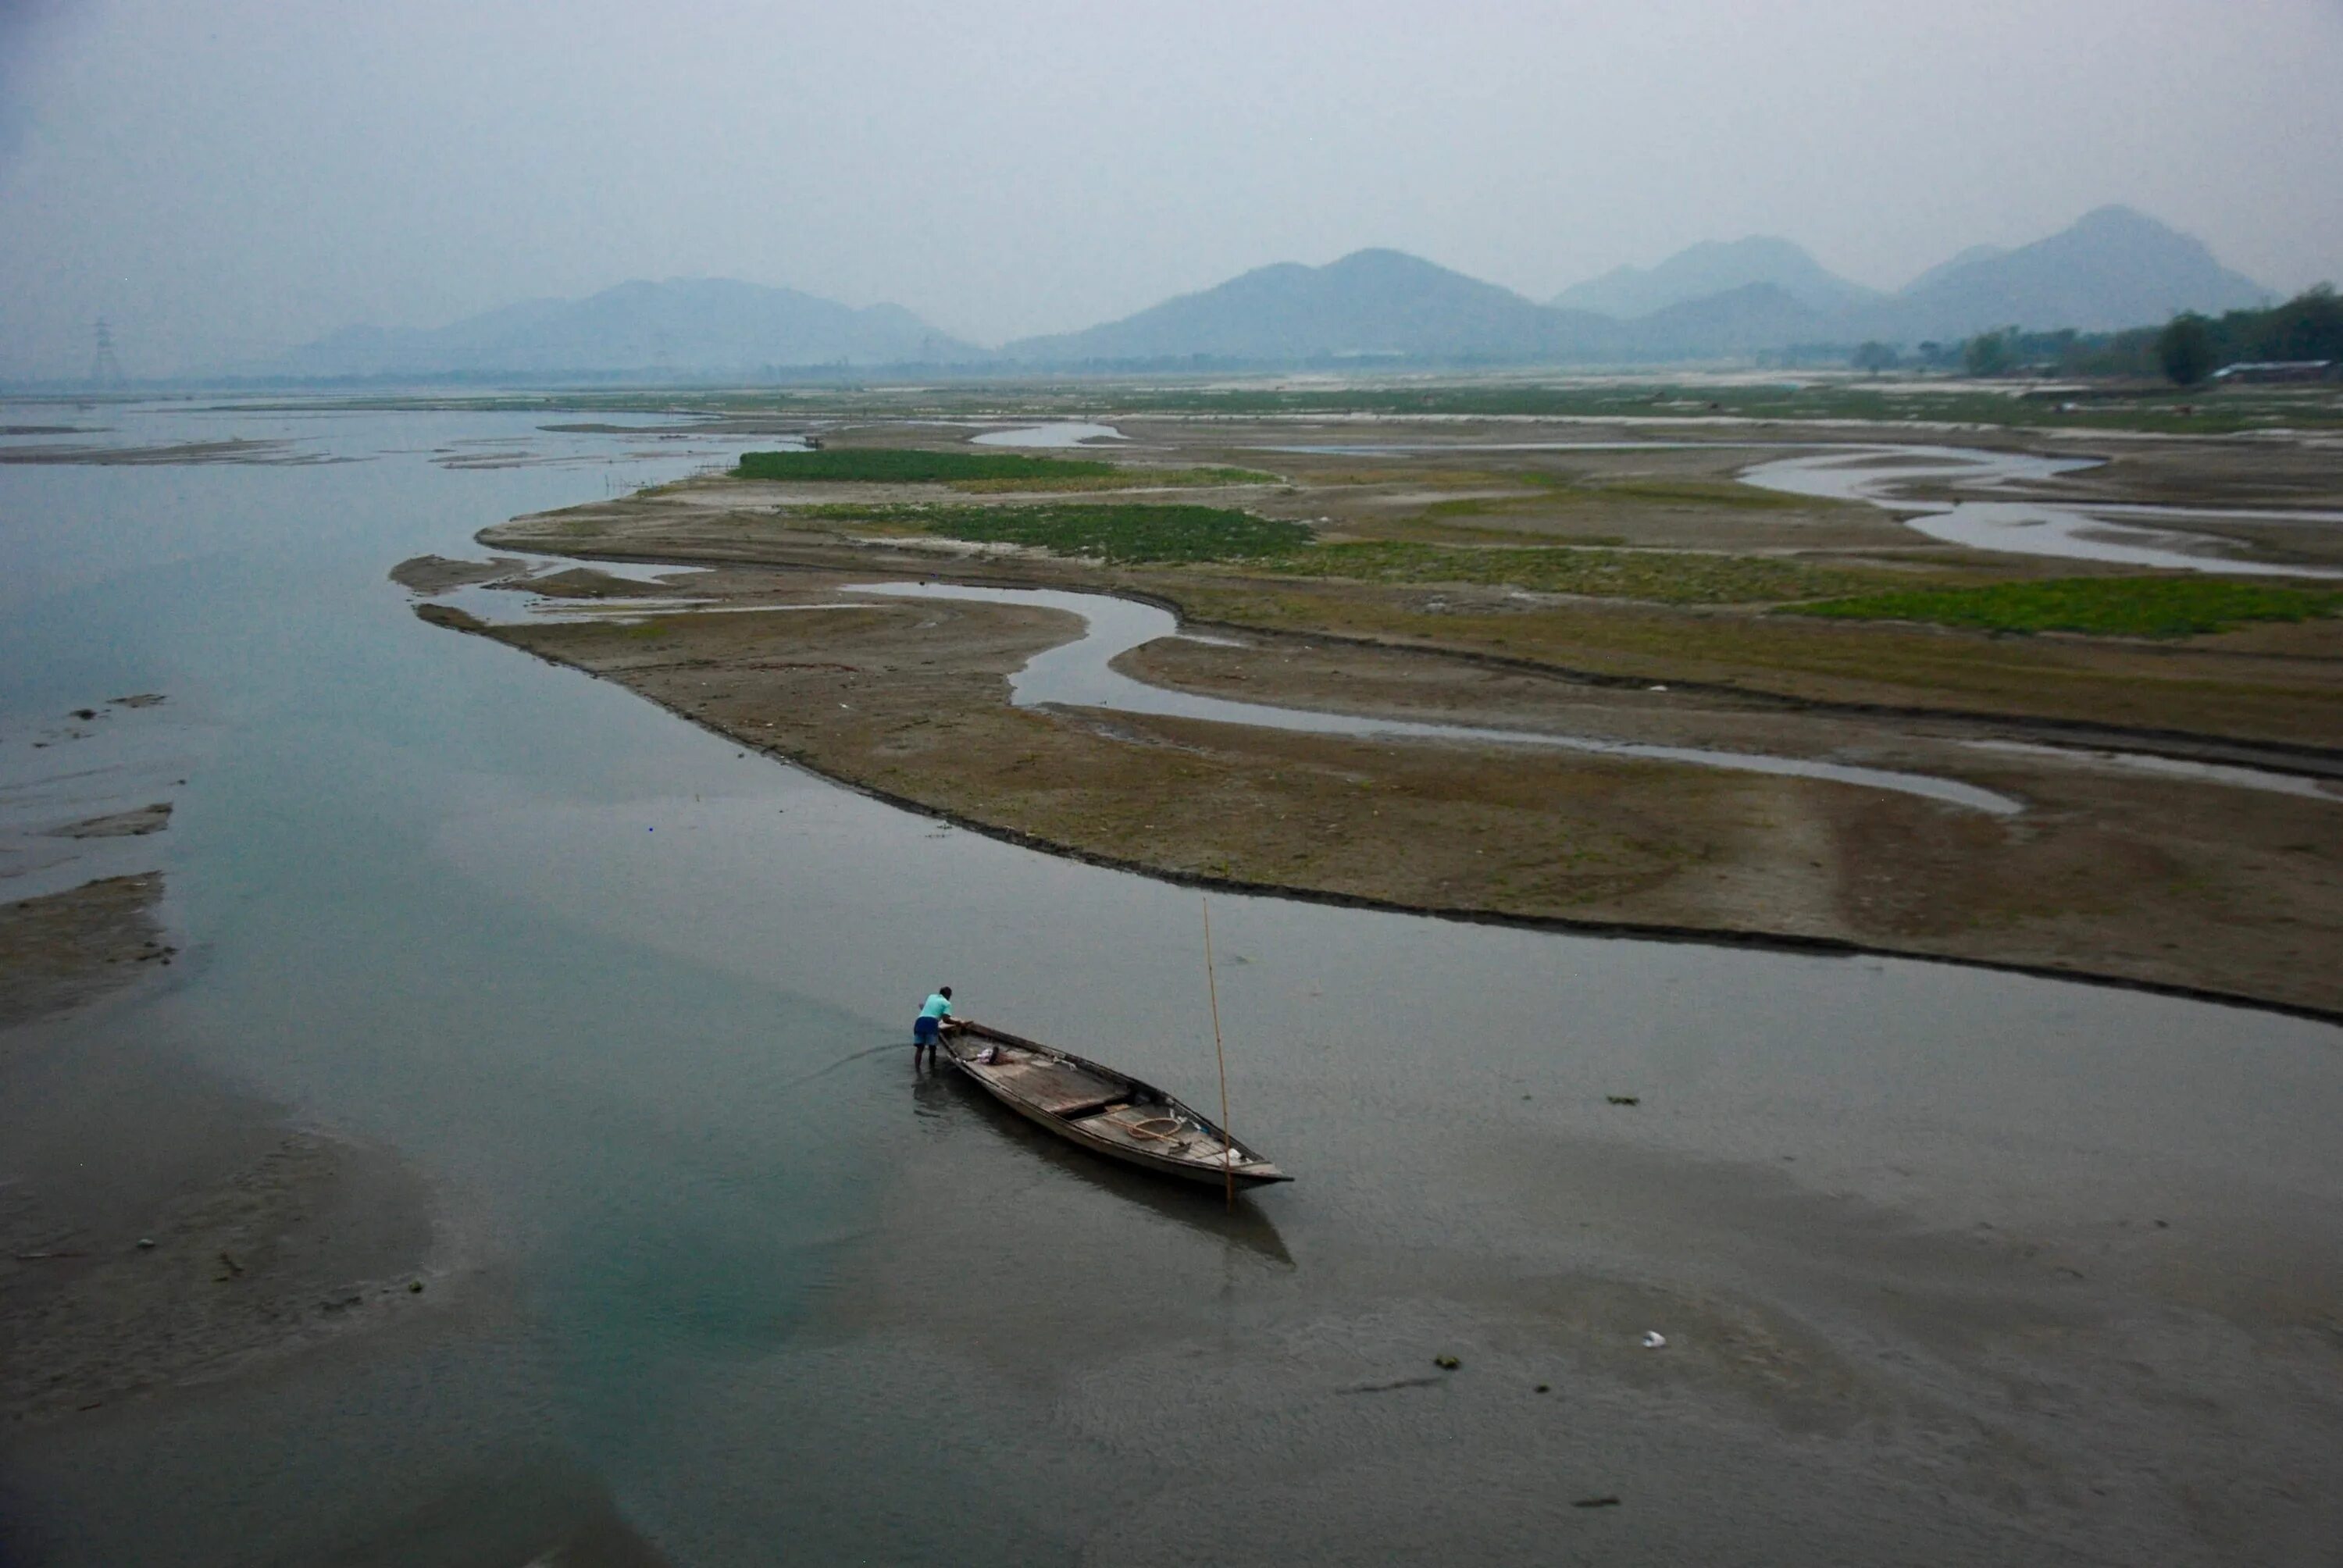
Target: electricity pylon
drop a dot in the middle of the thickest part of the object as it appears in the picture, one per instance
(104, 369)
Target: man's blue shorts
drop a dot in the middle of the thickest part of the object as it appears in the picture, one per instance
(924, 1030)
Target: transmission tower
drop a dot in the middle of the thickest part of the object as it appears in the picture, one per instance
(104, 369)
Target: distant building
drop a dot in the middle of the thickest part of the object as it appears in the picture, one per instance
(2261, 371)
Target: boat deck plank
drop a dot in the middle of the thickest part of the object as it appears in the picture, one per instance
(1055, 1087)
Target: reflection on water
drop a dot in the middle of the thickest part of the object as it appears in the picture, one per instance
(1080, 674)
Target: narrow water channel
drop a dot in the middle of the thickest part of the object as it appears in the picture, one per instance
(2120, 534)
(1057, 434)
(1082, 674)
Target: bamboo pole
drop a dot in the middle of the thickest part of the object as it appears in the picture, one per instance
(1219, 1055)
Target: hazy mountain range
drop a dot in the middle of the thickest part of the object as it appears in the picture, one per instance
(2114, 268)
(710, 325)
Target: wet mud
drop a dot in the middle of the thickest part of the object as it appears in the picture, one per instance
(62, 950)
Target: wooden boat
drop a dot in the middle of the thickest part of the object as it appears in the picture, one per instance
(1110, 1112)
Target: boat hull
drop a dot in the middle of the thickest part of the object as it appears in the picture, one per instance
(1108, 1112)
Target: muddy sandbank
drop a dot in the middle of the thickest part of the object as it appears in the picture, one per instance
(438, 574)
(63, 949)
(161, 1228)
(233, 450)
(2156, 881)
(219, 1237)
(209, 1231)
(131, 824)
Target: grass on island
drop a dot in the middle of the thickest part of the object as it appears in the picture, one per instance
(1689, 493)
(1128, 534)
(1559, 491)
(2101, 606)
(1661, 577)
(1168, 534)
(978, 473)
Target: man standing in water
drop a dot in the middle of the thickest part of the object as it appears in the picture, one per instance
(926, 1030)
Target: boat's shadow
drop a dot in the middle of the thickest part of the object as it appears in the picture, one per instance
(1192, 1204)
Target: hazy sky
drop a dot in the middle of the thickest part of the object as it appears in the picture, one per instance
(224, 178)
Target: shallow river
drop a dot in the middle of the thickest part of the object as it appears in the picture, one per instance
(636, 1005)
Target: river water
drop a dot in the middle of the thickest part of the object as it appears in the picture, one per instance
(1058, 433)
(636, 1005)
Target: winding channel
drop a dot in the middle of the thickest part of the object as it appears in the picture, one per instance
(2071, 530)
(1081, 674)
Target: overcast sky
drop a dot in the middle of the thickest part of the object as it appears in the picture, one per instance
(223, 179)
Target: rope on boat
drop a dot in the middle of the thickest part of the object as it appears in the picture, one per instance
(1145, 1127)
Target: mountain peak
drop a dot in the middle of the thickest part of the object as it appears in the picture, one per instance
(1384, 260)
(2116, 219)
(1712, 267)
(1372, 303)
(2113, 267)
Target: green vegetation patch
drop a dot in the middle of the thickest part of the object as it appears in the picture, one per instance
(1556, 492)
(1116, 533)
(2103, 606)
(1139, 533)
(1664, 577)
(1694, 493)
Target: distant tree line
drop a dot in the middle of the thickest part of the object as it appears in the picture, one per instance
(2185, 351)
(2308, 326)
